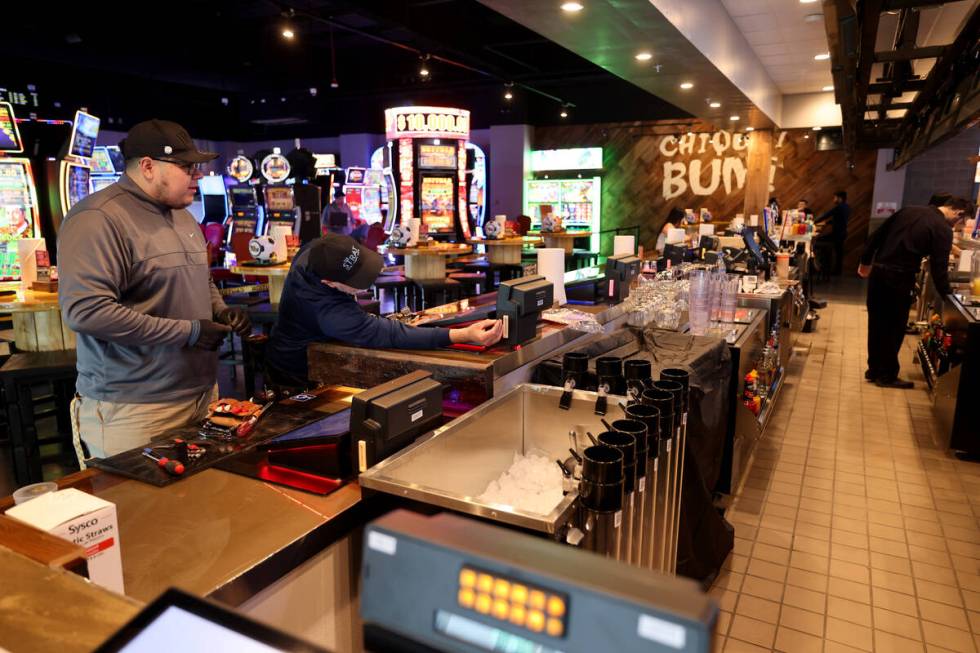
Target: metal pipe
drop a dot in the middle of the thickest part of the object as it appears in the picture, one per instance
(638, 431)
(650, 416)
(664, 402)
(682, 377)
(626, 444)
(676, 390)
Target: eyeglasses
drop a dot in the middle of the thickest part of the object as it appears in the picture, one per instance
(188, 168)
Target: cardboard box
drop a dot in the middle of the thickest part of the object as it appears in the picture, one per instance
(85, 520)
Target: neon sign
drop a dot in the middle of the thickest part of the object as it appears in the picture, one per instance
(424, 122)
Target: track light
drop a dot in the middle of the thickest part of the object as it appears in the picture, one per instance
(508, 94)
(424, 68)
(564, 111)
(288, 33)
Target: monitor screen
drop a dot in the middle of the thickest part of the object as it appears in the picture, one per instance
(17, 205)
(436, 202)
(355, 175)
(9, 134)
(178, 621)
(83, 135)
(437, 156)
(118, 161)
(98, 183)
(279, 198)
(78, 183)
(101, 163)
(243, 196)
(212, 185)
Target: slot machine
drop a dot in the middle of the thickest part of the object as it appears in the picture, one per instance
(280, 204)
(244, 211)
(19, 212)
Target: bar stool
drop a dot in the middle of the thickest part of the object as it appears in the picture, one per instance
(19, 375)
(397, 285)
(472, 282)
(425, 293)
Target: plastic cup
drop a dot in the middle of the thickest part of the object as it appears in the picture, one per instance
(33, 491)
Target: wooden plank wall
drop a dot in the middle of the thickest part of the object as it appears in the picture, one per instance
(636, 160)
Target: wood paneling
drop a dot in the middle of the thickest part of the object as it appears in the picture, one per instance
(636, 160)
(757, 173)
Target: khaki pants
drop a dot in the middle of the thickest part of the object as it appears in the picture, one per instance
(109, 428)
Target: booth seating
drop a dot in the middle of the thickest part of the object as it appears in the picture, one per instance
(22, 374)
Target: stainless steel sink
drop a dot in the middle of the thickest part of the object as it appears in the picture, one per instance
(455, 464)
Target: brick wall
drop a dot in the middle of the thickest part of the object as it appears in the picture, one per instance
(945, 167)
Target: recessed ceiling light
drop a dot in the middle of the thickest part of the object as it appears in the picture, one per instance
(807, 2)
(816, 129)
(563, 114)
(734, 118)
(828, 88)
(823, 56)
(715, 105)
(288, 33)
(806, 136)
(687, 85)
(750, 129)
(572, 7)
(643, 56)
(813, 18)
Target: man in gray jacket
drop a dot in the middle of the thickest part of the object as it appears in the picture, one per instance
(136, 289)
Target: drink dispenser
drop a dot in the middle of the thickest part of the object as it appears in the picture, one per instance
(574, 371)
(601, 499)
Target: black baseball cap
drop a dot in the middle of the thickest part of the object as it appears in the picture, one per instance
(162, 139)
(342, 259)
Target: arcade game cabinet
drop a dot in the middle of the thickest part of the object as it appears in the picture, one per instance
(381, 162)
(280, 203)
(73, 172)
(429, 144)
(568, 181)
(108, 166)
(244, 220)
(19, 214)
(476, 185)
(362, 191)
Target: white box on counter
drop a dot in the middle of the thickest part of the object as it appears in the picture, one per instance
(85, 520)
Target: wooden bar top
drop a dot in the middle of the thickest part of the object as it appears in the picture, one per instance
(46, 609)
(27, 301)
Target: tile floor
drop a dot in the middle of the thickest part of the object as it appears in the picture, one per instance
(855, 530)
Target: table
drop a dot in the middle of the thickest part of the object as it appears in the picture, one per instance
(562, 239)
(502, 251)
(275, 273)
(37, 320)
(429, 263)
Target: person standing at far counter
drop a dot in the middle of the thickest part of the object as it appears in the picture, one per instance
(892, 259)
(317, 304)
(136, 289)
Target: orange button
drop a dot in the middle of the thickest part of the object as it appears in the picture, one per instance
(483, 603)
(467, 578)
(517, 615)
(535, 620)
(518, 594)
(537, 600)
(466, 597)
(556, 606)
(555, 627)
(501, 589)
(484, 583)
(500, 609)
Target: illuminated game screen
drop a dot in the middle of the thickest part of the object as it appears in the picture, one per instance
(101, 163)
(542, 191)
(437, 156)
(83, 135)
(77, 184)
(436, 202)
(279, 198)
(16, 201)
(98, 183)
(117, 158)
(9, 134)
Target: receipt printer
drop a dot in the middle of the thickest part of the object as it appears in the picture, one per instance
(519, 302)
(389, 417)
(621, 270)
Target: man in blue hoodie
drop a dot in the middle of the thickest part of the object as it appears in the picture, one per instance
(318, 304)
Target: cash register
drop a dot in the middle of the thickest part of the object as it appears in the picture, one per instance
(519, 303)
(621, 270)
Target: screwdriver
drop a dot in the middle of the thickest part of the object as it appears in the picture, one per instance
(173, 467)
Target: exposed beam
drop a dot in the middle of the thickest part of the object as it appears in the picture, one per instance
(928, 52)
(888, 106)
(840, 23)
(885, 87)
(892, 5)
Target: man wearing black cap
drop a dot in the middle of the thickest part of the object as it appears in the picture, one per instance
(135, 288)
(317, 304)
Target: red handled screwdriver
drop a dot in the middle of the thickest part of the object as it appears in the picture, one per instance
(174, 467)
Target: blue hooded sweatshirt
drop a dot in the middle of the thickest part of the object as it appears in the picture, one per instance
(310, 311)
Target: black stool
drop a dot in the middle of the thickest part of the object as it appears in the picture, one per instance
(433, 292)
(20, 374)
(398, 286)
(583, 258)
(473, 282)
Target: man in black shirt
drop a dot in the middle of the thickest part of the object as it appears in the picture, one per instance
(838, 217)
(891, 259)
